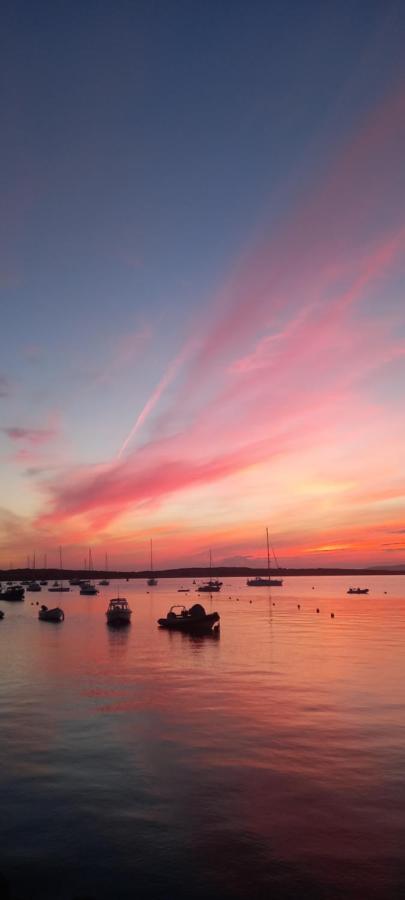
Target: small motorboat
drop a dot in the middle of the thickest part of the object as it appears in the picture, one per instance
(1, 614)
(358, 590)
(51, 615)
(105, 582)
(33, 586)
(210, 587)
(43, 583)
(183, 590)
(118, 612)
(75, 582)
(13, 594)
(194, 620)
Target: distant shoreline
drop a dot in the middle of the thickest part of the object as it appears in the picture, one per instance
(217, 571)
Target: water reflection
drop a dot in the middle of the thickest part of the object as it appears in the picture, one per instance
(118, 638)
(265, 761)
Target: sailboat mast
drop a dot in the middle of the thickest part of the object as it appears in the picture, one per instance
(151, 557)
(268, 553)
(60, 558)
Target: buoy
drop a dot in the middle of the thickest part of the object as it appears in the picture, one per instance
(332, 615)
(313, 588)
(274, 604)
(317, 610)
(299, 607)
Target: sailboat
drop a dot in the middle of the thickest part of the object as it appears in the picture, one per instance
(105, 581)
(152, 581)
(212, 586)
(258, 581)
(58, 586)
(34, 585)
(87, 587)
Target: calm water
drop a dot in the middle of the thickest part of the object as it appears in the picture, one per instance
(268, 762)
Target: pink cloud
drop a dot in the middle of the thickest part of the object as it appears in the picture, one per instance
(282, 368)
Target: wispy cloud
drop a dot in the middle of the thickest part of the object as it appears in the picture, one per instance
(279, 374)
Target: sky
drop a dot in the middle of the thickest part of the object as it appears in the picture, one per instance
(202, 271)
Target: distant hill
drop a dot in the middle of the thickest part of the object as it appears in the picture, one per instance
(194, 572)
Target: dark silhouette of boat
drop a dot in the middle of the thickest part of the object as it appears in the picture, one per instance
(1, 614)
(258, 580)
(152, 581)
(193, 621)
(33, 586)
(118, 612)
(51, 615)
(358, 590)
(213, 586)
(13, 594)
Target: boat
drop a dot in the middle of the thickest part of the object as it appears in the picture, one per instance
(43, 582)
(212, 586)
(13, 594)
(192, 621)
(33, 586)
(358, 590)
(152, 581)
(258, 580)
(183, 590)
(59, 587)
(51, 615)
(88, 589)
(1, 614)
(75, 582)
(118, 612)
(105, 581)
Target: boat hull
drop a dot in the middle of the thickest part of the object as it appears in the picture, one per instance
(118, 620)
(189, 624)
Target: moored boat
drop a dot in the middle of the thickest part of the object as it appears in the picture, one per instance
(118, 612)
(13, 594)
(210, 587)
(194, 620)
(258, 580)
(152, 581)
(51, 615)
(358, 590)
(33, 586)
(58, 588)
(88, 589)
(1, 614)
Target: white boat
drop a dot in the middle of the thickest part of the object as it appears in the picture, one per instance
(118, 612)
(152, 581)
(258, 580)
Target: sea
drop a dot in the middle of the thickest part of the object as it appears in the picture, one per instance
(267, 761)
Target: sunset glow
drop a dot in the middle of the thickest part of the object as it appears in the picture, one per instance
(168, 383)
